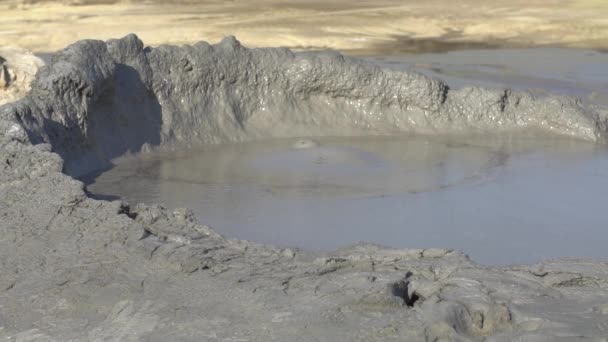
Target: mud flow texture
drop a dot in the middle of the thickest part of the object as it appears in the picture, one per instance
(97, 101)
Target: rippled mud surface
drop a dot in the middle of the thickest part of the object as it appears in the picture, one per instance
(500, 199)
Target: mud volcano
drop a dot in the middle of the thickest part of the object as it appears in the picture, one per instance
(77, 268)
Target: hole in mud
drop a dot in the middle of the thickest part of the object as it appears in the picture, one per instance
(400, 289)
(412, 300)
(126, 210)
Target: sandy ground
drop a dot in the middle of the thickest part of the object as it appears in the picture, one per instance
(359, 27)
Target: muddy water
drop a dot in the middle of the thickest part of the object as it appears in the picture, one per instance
(501, 199)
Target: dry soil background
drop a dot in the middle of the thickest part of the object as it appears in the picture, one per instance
(358, 27)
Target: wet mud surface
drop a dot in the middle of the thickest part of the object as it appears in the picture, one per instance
(501, 199)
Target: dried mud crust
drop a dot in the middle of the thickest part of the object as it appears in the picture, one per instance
(74, 268)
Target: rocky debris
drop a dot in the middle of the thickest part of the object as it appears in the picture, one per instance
(75, 268)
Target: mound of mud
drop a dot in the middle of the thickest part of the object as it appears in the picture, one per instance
(101, 100)
(75, 268)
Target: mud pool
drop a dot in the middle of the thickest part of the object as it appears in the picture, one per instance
(501, 200)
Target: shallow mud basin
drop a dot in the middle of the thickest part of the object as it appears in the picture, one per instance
(509, 199)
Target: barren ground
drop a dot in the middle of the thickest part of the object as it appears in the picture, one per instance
(359, 27)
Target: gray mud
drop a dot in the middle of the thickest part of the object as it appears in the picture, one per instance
(494, 198)
(75, 268)
(329, 196)
(574, 72)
